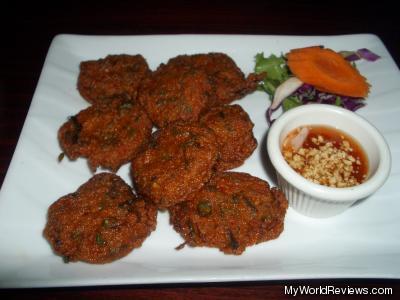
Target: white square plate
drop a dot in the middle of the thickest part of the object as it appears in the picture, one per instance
(363, 242)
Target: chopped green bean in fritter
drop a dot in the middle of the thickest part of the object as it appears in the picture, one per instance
(99, 240)
(109, 223)
(250, 204)
(204, 208)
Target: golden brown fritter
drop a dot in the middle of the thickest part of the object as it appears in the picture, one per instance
(99, 223)
(100, 80)
(227, 80)
(108, 135)
(231, 212)
(175, 92)
(189, 85)
(234, 131)
(178, 161)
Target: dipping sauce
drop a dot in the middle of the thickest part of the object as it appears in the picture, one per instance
(326, 155)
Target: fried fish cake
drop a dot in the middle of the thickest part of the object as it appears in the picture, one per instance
(100, 80)
(99, 223)
(178, 161)
(234, 131)
(233, 211)
(108, 135)
(175, 92)
(227, 80)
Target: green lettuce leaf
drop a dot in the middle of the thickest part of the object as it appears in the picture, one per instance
(274, 66)
(291, 102)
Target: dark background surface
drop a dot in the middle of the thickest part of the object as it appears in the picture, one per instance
(27, 31)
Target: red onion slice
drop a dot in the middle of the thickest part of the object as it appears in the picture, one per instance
(284, 90)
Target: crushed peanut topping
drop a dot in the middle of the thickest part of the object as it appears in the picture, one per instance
(325, 160)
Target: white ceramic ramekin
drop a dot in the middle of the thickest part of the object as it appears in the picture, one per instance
(316, 200)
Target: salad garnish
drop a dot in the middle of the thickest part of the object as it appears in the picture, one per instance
(314, 75)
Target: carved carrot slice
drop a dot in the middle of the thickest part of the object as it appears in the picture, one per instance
(327, 71)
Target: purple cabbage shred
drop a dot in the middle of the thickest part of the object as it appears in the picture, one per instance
(307, 94)
(360, 54)
(367, 54)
